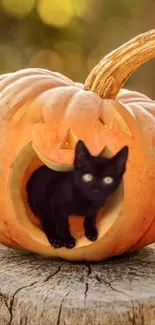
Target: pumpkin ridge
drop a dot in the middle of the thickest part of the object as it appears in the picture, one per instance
(19, 97)
(25, 81)
(11, 77)
(68, 93)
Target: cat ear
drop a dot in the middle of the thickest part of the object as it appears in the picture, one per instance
(82, 154)
(120, 159)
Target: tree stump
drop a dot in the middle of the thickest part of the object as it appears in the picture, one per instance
(38, 291)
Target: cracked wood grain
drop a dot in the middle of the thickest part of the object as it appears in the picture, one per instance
(37, 291)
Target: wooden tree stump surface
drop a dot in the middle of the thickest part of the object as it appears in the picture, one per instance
(39, 291)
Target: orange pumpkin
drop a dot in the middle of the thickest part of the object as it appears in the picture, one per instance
(43, 114)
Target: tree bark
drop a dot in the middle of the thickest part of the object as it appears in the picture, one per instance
(38, 291)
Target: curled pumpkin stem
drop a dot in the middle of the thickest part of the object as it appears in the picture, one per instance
(111, 73)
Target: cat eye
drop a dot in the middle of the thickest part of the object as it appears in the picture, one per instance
(108, 180)
(87, 177)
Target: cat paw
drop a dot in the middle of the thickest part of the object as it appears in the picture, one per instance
(92, 234)
(69, 242)
(56, 242)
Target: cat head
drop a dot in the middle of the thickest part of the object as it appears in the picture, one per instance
(97, 177)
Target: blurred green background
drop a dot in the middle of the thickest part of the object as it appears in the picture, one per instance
(71, 36)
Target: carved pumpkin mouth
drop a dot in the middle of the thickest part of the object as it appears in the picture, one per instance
(26, 162)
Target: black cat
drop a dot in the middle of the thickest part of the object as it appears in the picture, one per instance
(54, 196)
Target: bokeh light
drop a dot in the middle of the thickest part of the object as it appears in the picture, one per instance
(85, 9)
(18, 8)
(58, 13)
(73, 60)
(11, 59)
(47, 59)
(82, 7)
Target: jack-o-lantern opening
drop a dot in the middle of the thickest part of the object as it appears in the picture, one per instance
(28, 161)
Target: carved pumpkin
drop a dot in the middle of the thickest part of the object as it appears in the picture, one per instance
(43, 114)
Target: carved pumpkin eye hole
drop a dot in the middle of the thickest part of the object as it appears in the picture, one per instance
(87, 178)
(108, 180)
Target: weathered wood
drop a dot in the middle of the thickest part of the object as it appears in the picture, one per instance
(37, 291)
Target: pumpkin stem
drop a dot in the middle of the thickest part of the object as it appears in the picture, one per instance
(110, 74)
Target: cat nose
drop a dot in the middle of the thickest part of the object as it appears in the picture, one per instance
(95, 190)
